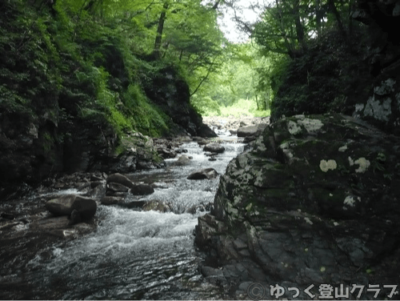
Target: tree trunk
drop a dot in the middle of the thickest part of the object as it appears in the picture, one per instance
(288, 45)
(299, 26)
(160, 29)
(332, 8)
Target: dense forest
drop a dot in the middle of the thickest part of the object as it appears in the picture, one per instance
(84, 74)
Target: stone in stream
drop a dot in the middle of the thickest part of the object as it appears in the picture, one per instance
(135, 189)
(111, 200)
(214, 148)
(182, 160)
(202, 141)
(251, 130)
(115, 187)
(77, 207)
(156, 205)
(207, 173)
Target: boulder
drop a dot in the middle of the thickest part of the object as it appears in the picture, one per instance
(214, 148)
(141, 189)
(115, 187)
(135, 189)
(85, 208)
(166, 153)
(202, 142)
(208, 173)
(316, 200)
(111, 200)
(251, 130)
(183, 160)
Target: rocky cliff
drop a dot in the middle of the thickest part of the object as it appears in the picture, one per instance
(78, 98)
(316, 200)
(382, 107)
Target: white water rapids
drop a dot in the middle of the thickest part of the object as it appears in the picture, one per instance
(137, 254)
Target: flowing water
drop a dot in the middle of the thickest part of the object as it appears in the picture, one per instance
(138, 254)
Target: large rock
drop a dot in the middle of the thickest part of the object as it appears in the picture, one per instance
(317, 202)
(183, 160)
(207, 173)
(85, 208)
(214, 148)
(250, 133)
(135, 189)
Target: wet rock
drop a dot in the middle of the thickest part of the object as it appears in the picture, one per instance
(97, 178)
(64, 205)
(97, 183)
(166, 153)
(145, 165)
(214, 276)
(250, 133)
(181, 150)
(117, 194)
(212, 158)
(61, 227)
(98, 191)
(135, 189)
(207, 173)
(115, 187)
(111, 200)
(183, 160)
(156, 206)
(214, 148)
(134, 204)
(202, 142)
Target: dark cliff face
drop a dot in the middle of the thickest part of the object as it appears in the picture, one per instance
(315, 200)
(171, 93)
(357, 76)
(382, 107)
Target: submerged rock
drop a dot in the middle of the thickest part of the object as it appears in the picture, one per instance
(315, 200)
(156, 205)
(111, 200)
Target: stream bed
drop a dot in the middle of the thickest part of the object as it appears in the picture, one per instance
(133, 254)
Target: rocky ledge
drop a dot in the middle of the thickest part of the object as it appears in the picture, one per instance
(314, 201)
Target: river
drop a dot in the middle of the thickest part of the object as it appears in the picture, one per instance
(137, 254)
